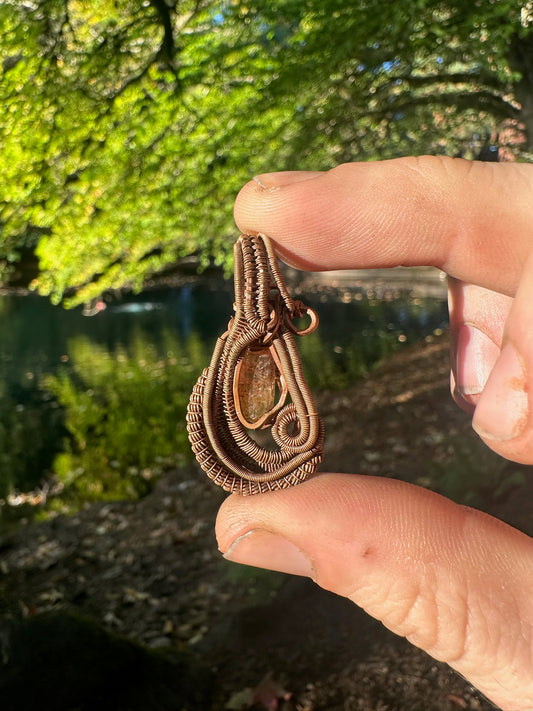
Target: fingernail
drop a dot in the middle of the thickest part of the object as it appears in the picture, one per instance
(264, 549)
(273, 181)
(503, 409)
(476, 355)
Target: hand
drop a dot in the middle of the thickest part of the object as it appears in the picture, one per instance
(454, 581)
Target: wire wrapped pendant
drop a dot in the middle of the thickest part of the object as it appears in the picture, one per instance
(255, 382)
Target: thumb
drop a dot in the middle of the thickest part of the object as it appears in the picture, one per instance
(471, 219)
(454, 581)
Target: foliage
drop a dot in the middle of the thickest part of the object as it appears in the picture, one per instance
(333, 370)
(125, 415)
(128, 127)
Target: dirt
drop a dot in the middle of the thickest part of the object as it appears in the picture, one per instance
(150, 569)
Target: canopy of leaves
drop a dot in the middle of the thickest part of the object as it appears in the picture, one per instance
(128, 126)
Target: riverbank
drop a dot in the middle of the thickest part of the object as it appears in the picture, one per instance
(150, 570)
(416, 281)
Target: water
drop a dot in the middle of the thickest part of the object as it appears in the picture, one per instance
(98, 402)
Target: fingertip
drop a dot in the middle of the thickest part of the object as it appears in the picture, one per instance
(275, 553)
(250, 200)
(504, 413)
(271, 204)
(274, 181)
(503, 409)
(232, 521)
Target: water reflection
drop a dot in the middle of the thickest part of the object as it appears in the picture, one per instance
(99, 402)
(123, 411)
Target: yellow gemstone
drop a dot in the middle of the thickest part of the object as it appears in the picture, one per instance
(256, 384)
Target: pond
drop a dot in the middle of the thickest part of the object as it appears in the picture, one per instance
(95, 404)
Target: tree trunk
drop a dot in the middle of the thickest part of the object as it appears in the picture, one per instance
(521, 60)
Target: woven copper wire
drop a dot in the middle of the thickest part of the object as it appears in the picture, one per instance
(264, 314)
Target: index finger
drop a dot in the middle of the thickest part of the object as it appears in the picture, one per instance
(471, 219)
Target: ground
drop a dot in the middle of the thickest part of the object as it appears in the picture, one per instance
(150, 569)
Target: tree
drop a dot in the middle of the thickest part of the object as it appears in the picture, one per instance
(389, 78)
(128, 126)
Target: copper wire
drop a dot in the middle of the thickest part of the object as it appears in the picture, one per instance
(264, 313)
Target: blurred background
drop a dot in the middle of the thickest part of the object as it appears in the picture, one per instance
(127, 129)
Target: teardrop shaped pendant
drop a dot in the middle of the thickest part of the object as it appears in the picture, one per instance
(255, 369)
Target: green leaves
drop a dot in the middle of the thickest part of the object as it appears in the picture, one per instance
(128, 128)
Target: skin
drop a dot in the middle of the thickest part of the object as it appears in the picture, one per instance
(456, 582)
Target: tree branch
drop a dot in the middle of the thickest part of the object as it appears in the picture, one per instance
(477, 100)
(167, 51)
(455, 78)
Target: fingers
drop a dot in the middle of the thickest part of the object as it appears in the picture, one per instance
(455, 582)
(471, 219)
(477, 317)
(503, 416)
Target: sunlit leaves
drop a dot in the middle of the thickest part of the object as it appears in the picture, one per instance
(128, 128)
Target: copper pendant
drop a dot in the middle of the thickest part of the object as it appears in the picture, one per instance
(254, 371)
